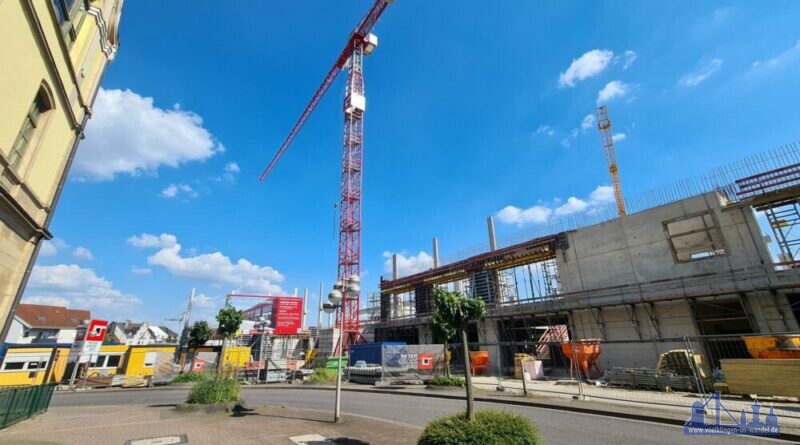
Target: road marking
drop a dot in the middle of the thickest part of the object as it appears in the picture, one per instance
(163, 440)
(311, 439)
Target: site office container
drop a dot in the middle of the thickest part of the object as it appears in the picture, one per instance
(27, 364)
(144, 360)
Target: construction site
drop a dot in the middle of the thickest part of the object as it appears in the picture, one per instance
(690, 287)
(684, 265)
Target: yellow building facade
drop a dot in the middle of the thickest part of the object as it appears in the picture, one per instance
(54, 54)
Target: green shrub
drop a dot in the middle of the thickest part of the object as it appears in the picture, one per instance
(489, 428)
(221, 390)
(323, 375)
(191, 377)
(447, 381)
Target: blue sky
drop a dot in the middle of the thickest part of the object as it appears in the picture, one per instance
(474, 109)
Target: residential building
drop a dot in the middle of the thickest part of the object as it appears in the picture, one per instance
(36, 323)
(131, 333)
(55, 53)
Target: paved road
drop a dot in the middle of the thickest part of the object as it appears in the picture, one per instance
(557, 427)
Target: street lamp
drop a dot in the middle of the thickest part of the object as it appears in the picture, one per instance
(342, 291)
(263, 323)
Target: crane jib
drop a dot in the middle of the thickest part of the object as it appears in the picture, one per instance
(362, 30)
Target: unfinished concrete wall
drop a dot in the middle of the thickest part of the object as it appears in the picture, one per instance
(639, 249)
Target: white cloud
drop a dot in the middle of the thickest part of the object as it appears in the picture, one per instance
(50, 248)
(573, 205)
(545, 129)
(137, 270)
(81, 287)
(618, 137)
(47, 301)
(602, 194)
(784, 57)
(147, 240)
(203, 301)
(588, 122)
(128, 134)
(82, 253)
(213, 267)
(540, 214)
(518, 216)
(175, 190)
(589, 64)
(694, 79)
(407, 265)
(612, 90)
(232, 167)
(630, 57)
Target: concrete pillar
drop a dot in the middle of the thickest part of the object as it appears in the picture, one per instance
(492, 240)
(395, 298)
(305, 308)
(435, 253)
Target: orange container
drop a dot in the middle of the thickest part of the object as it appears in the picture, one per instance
(586, 354)
(773, 346)
(478, 362)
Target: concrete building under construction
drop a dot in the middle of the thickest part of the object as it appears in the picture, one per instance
(689, 259)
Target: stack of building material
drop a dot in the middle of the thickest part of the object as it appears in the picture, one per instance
(679, 362)
(669, 381)
(364, 374)
(641, 378)
(518, 359)
(763, 377)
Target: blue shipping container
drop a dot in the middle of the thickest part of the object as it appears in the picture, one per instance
(370, 352)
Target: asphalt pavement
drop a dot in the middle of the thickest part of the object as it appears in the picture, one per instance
(556, 427)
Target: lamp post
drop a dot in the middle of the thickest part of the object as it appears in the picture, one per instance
(263, 324)
(342, 291)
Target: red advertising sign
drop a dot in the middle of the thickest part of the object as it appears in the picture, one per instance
(287, 315)
(96, 331)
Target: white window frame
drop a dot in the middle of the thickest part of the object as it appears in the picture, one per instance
(152, 356)
(27, 359)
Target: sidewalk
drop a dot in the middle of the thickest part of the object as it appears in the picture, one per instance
(130, 424)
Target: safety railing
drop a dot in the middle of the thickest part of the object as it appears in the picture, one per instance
(17, 404)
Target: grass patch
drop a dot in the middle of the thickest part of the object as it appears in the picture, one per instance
(489, 428)
(209, 391)
(323, 375)
(191, 377)
(446, 381)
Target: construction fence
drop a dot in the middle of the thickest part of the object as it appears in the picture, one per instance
(667, 373)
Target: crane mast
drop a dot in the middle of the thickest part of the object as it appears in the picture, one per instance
(359, 44)
(604, 125)
(349, 257)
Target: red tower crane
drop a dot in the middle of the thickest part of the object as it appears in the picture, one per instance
(360, 43)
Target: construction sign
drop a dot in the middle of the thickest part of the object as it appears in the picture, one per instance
(89, 339)
(287, 315)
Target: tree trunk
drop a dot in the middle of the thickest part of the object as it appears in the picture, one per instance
(467, 374)
(446, 361)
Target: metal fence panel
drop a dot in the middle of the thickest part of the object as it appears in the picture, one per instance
(17, 404)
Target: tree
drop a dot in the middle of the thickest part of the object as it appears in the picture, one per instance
(199, 334)
(452, 314)
(229, 319)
